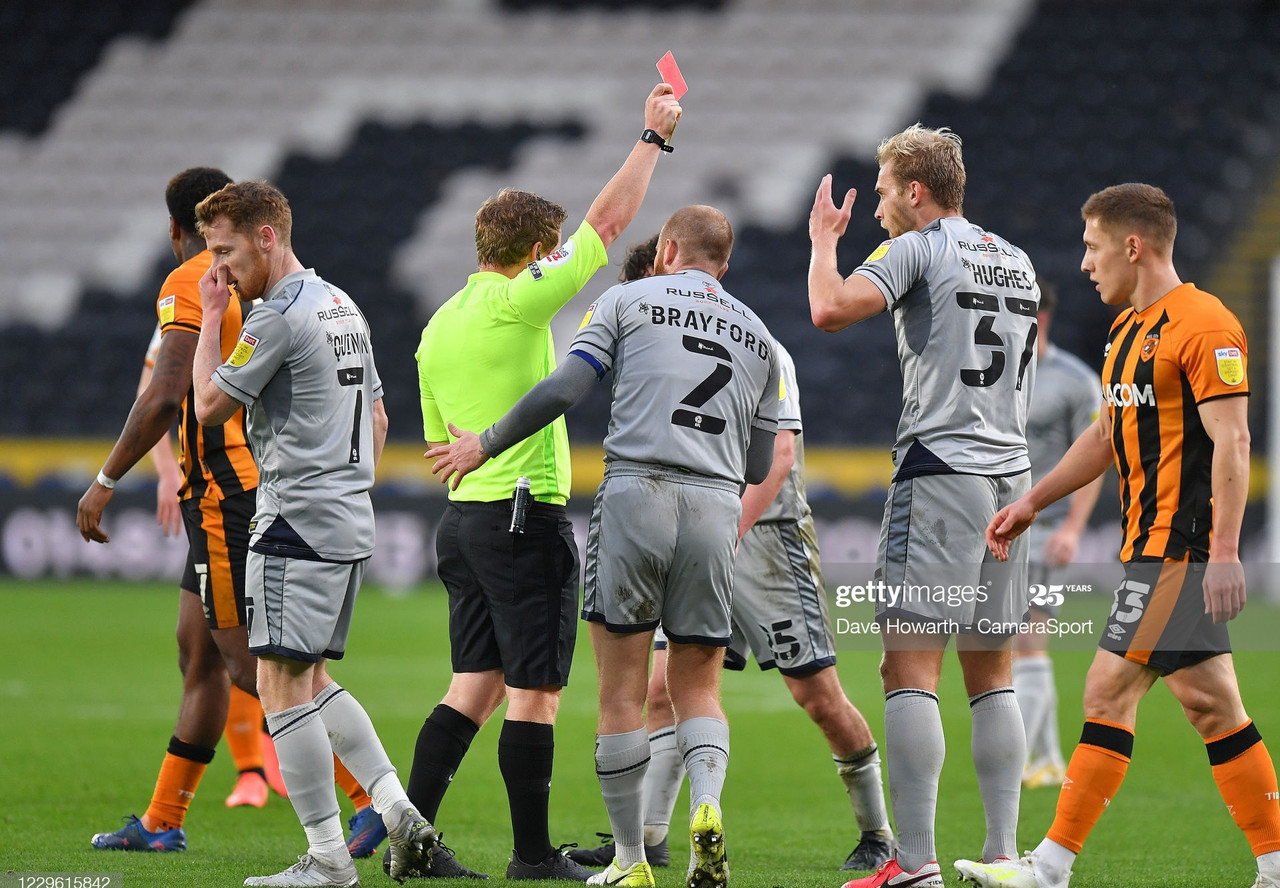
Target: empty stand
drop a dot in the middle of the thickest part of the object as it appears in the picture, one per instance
(388, 124)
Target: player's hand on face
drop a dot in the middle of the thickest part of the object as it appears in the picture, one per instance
(826, 217)
(1010, 521)
(661, 110)
(457, 460)
(89, 513)
(215, 292)
(1224, 590)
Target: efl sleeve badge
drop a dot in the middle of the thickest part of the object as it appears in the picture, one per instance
(1230, 365)
(878, 252)
(243, 350)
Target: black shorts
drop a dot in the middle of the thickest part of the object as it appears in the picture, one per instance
(513, 597)
(1158, 618)
(218, 541)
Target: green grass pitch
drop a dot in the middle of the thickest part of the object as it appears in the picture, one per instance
(89, 691)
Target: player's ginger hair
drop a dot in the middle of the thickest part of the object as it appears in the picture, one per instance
(1135, 207)
(931, 157)
(248, 206)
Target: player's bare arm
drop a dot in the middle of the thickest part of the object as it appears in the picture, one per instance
(213, 405)
(380, 425)
(168, 472)
(1083, 463)
(836, 302)
(1227, 422)
(619, 201)
(152, 414)
(1061, 546)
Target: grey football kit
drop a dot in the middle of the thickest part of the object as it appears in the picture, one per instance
(779, 605)
(964, 305)
(695, 374)
(304, 366)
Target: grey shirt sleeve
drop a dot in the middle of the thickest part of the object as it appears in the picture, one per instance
(260, 352)
(540, 405)
(896, 266)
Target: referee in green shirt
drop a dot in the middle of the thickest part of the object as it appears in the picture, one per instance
(513, 596)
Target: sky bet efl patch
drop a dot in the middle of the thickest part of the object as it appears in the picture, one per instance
(878, 252)
(586, 318)
(166, 310)
(243, 350)
(1230, 365)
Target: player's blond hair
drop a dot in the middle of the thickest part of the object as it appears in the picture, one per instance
(703, 233)
(248, 206)
(1135, 208)
(931, 157)
(511, 222)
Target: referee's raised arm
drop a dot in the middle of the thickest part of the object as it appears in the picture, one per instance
(619, 201)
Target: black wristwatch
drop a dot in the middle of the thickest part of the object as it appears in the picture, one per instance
(652, 136)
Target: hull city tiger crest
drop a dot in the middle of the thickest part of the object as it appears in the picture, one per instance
(1149, 346)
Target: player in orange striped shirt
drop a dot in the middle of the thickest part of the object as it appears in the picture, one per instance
(1176, 426)
(249, 745)
(217, 497)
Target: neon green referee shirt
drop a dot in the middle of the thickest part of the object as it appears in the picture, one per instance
(487, 346)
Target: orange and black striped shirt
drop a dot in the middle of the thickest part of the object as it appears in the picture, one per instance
(1161, 363)
(216, 461)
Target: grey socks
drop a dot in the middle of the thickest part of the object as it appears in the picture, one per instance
(999, 751)
(916, 748)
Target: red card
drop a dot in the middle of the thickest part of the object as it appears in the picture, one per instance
(670, 72)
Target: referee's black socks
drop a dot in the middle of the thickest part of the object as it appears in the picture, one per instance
(525, 754)
(445, 737)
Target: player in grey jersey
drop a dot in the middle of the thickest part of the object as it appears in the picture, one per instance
(303, 367)
(964, 303)
(780, 614)
(695, 409)
(1065, 403)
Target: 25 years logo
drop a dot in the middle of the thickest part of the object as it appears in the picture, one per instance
(1047, 595)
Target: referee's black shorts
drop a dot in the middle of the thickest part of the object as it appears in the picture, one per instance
(513, 597)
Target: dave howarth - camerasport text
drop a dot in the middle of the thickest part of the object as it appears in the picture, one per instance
(896, 626)
(880, 592)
